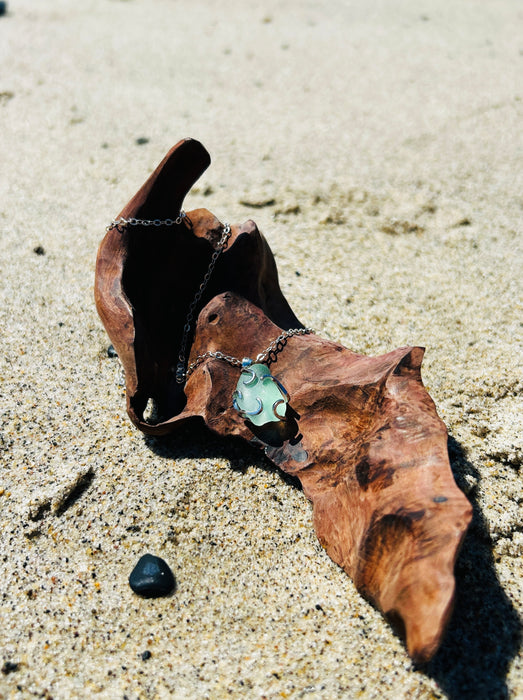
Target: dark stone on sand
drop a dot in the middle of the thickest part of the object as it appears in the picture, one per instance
(152, 577)
(39, 250)
(9, 667)
(111, 352)
(3, 8)
(145, 655)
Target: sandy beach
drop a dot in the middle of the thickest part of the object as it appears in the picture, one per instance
(379, 148)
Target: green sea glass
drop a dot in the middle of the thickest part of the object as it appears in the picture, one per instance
(259, 397)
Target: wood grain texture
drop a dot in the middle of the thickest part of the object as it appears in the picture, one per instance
(362, 434)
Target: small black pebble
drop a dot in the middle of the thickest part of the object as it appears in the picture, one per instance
(298, 274)
(145, 655)
(111, 352)
(152, 577)
(39, 250)
(3, 8)
(141, 141)
(9, 667)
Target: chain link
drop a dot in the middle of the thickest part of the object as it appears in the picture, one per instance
(181, 373)
(207, 355)
(121, 223)
(267, 356)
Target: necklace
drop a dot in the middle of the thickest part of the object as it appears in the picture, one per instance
(259, 397)
(121, 223)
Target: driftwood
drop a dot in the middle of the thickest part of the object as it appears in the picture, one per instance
(362, 433)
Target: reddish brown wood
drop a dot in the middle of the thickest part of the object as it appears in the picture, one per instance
(362, 433)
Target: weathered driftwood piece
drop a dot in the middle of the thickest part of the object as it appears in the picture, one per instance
(362, 434)
(146, 279)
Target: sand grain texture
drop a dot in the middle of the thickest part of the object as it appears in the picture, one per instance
(379, 148)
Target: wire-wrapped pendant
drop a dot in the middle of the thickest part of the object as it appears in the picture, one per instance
(259, 397)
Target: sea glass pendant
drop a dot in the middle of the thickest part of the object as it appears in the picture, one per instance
(259, 397)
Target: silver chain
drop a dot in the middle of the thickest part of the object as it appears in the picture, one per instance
(181, 374)
(121, 223)
(269, 353)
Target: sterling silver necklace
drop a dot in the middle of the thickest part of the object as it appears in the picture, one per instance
(259, 397)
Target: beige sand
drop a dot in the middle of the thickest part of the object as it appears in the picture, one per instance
(382, 144)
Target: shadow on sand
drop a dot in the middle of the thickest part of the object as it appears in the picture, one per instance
(484, 633)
